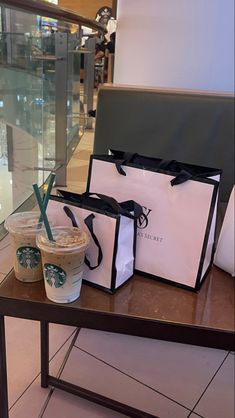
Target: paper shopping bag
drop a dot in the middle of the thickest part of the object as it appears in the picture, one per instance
(175, 238)
(112, 228)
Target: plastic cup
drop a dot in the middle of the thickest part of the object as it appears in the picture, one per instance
(23, 228)
(63, 261)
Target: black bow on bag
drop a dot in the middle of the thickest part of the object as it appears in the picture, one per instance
(184, 172)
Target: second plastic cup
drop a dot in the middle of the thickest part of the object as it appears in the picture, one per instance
(23, 228)
(63, 261)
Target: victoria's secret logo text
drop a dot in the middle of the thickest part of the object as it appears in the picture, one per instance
(142, 221)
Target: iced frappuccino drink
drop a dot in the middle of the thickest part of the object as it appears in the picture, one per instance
(23, 228)
(63, 261)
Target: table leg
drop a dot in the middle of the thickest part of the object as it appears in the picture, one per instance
(3, 372)
(44, 353)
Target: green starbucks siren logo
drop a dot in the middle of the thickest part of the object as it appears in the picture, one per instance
(28, 257)
(55, 276)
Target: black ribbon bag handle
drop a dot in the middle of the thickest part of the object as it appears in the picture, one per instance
(123, 158)
(182, 177)
(122, 208)
(130, 206)
(110, 201)
(89, 223)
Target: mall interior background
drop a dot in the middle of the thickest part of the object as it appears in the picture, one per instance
(160, 43)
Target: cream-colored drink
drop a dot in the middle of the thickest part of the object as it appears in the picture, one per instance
(63, 261)
(23, 228)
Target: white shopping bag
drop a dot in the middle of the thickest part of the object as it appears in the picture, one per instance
(175, 238)
(112, 228)
(224, 256)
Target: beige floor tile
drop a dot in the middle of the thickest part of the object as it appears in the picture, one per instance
(94, 375)
(23, 351)
(66, 405)
(4, 243)
(2, 276)
(74, 187)
(34, 398)
(6, 261)
(218, 400)
(58, 335)
(77, 170)
(176, 370)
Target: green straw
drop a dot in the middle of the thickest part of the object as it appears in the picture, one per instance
(43, 212)
(47, 195)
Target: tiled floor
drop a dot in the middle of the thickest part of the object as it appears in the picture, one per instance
(162, 378)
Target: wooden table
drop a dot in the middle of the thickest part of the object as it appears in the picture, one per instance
(142, 307)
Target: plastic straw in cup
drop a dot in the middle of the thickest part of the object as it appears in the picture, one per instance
(47, 195)
(43, 212)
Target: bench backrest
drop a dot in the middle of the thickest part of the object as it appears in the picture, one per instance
(192, 127)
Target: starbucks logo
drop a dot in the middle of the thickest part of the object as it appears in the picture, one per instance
(55, 276)
(28, 257)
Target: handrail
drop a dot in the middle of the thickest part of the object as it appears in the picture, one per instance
(51, 10)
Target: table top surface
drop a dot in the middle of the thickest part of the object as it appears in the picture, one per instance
(142, 297)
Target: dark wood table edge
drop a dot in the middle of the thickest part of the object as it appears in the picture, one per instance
(118, 323)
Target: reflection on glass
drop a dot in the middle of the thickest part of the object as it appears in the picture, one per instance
(27, 106)
(29, 63)
(5, 176)
(75, 109)
(3, 144)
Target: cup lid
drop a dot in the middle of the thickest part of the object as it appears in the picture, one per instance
(66, 239)
(26, 222)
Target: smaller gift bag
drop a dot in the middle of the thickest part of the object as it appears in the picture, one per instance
(110, 258)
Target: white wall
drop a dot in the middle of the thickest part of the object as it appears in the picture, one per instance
(176, 43)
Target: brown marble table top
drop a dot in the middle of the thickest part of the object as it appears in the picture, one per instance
(212, 306)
